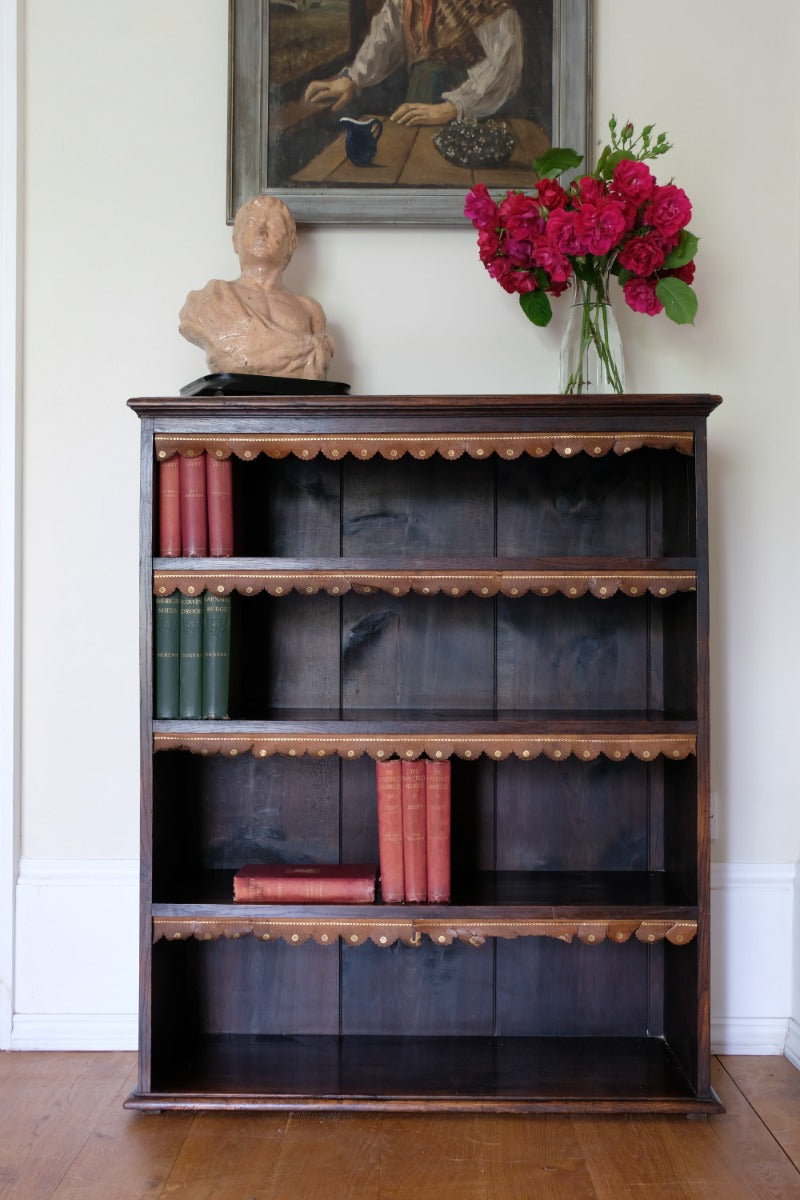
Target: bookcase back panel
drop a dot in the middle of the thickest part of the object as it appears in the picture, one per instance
(419, 990)
(574, 816)
(288, 508)
(288, 654)
(418, 509)
(550, 988)
(424, 652)
(272, 988)
(216, 814)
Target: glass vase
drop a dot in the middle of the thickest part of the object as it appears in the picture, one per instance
(591, 349)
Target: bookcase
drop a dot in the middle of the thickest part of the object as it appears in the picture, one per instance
(518, 584)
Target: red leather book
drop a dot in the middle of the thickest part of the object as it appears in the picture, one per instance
(219, 492)
(437, 805)
(306, 883)
(390, 829)
(194, 519)
(169, 508)
(415, 865)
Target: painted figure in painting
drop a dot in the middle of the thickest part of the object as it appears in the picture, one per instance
(254, 325)
(463, 58)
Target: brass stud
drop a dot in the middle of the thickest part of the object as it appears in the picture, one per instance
(295, 937)
(451, 453)
(220, 588)
(634, 591)
(539, 451)
(556, 754)
(292, 753)
(248, 453)
(278, 591)
(190, 590)
(309, 590)
(480, 453)
(351, 753)
(334, 453)
(395, 591)
(392, 454)
(617, 754)
(454, 591)
(651, 937)
(598, 449)
(645, 754)
(383, 939)
(380, 753)
(587, 754)
(526, 753)
(441, 939)
(324, 937)
(510, 453)
(439, 754)
(265, 937)
(409, 753)
(591, 938)
(498, 754)
(662, 591)
(234, 752)
(249, 589)
(515, 591)
(218, 453)
(304, 454)
(573, 591)
(676, 753)
(603, 591)
(568, 449)
(422, 453)
(161, 591)
(353, 937)
(320, 754)
(162, 454)
(335, 591)
(484, 591)
(467, 754)
(426, 591)
(364, 452)
(262, 753)
(545, 591)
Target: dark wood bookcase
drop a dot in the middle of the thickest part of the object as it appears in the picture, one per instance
(519, 584)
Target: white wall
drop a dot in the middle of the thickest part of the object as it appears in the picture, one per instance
(124, 213)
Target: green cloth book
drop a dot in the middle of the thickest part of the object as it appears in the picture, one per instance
(167, 636)
(216, 655)
(191, 657)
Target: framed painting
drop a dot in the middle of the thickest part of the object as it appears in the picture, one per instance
(388, 111)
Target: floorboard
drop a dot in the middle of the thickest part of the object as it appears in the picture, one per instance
(65, 1136)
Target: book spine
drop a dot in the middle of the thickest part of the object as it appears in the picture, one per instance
(390, 829)
(219, 491)
(303, 891)
(216, 654)
(191, 650)
(169, 508)
(437, 811)
(194, 516)
(415, 868)
(167, 638)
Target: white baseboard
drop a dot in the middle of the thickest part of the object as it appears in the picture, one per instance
(77, 957)
(792, 1049)
(74, 1031)
(748, 1035)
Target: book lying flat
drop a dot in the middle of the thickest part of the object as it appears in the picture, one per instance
(315, 883)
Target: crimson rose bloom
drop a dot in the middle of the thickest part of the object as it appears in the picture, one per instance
(488, 244)
(551, 194)
(565, 231)
(633, 181)
(603, 226)
(669, 211)
(640, 295)
(642, 255)
(480, 208)
(551, 260)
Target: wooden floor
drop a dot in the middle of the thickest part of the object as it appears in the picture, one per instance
(64, 1135)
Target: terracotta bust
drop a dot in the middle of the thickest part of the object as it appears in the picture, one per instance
(253, 325)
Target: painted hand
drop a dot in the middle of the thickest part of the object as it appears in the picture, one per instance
(412, 113)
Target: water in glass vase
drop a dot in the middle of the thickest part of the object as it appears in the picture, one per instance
(591, 348)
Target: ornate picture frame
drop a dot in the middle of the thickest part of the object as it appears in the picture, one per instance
(283, 143)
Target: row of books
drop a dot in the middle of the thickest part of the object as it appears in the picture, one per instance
(192, 636)
(195, 507)
(414, 830)
(413, 848)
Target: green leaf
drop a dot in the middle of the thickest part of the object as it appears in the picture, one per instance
(684, 252)
(679, 300)
(536, 306)
(556, 160)
(611, 160)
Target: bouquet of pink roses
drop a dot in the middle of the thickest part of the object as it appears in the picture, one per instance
(617, 220)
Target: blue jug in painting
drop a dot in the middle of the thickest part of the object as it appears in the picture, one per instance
(361, 139)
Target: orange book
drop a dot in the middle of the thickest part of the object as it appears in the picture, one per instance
(437, 813)
(415, 865)
(304, 883)
(390, 829)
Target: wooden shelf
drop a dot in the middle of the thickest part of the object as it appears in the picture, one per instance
(411, 1074)
(572, 578)
(644, 737)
